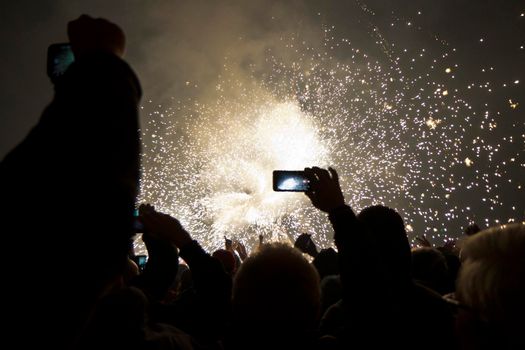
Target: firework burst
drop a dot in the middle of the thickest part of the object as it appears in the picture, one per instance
(395, 136)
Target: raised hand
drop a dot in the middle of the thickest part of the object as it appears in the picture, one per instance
(240, 249)
(450, 245)
(163, 226)
(305, 244)
(423, 241)
(325, 191)
(228, 244)
(88, 34)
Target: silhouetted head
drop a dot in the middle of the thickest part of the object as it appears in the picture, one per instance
(491, 283)
(453, 265)
(227, 260)
(331, 291)
(276, 293)
(117, 322)
(131, 272)
(492, 277)
(326, 263)
(388, 229)
(429, 267)
(472, 229)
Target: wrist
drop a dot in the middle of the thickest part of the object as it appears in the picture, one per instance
(182, 241)
(336, 209)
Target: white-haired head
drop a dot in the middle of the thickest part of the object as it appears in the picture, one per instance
(492, 278)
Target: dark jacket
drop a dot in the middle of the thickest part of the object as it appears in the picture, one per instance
(202, 311)
(67, 196)
(381, 308)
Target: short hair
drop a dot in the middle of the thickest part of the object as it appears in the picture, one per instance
(277, 286)
(492, 278)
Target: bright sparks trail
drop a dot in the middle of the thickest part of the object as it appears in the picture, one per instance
(396, 137)
(225, 171)
(236, 178)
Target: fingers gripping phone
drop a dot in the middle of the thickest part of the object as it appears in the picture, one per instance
(59, 58)
(290, 181)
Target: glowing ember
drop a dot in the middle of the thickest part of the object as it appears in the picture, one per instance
(396, 137)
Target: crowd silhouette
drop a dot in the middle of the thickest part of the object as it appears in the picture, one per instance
(72, 280)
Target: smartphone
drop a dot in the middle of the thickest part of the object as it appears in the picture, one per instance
(290, 181)
(141, 261)
(138, 226)
(59, 58)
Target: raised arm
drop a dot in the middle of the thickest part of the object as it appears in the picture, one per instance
(206, 314)
(358, 263)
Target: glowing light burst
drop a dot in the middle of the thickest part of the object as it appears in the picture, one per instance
(237, 187)
(224, 173)
(395, 137)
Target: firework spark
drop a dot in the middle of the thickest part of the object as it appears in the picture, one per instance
(395, 136)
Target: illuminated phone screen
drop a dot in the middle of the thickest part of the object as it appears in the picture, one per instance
(60, 57)
(290, 181)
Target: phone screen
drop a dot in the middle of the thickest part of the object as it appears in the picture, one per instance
(59, 58)
(141, 261)
(137, 223)
(290, 181)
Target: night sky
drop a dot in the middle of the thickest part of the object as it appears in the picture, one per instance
(473, 50)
